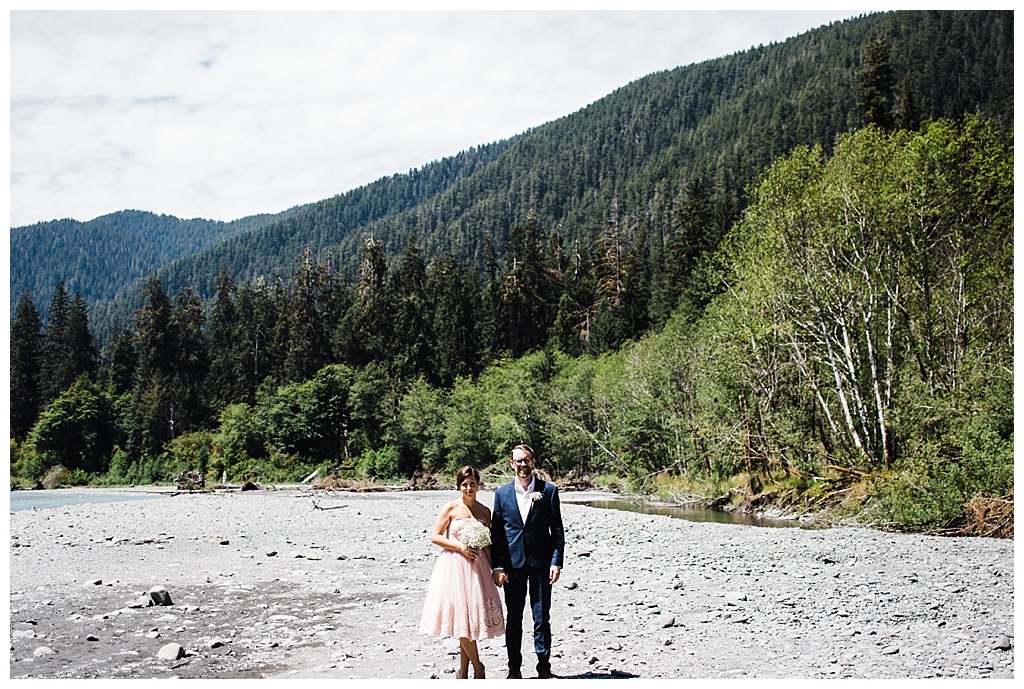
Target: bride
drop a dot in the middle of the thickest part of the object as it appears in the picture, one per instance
(462, 601)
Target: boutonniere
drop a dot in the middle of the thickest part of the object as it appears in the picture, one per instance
(535, 496)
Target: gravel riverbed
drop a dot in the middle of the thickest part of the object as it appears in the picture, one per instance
(295, 583)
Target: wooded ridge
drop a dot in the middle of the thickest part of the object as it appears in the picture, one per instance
(784, 275)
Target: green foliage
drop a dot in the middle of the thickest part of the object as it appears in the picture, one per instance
(76, 431)
(187, 453)
(310, 419)
(421, 428)
(465, 426)
(382, 464)
(239, 438)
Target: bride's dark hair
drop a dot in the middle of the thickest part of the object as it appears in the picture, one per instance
(464, 473)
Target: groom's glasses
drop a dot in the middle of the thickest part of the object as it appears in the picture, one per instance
(522, 462)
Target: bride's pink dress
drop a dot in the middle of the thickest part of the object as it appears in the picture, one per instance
(462, 599)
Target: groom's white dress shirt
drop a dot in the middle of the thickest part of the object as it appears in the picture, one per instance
(524, 497)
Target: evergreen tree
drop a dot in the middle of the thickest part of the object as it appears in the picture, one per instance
(227, 379)
(57, 371)
(492, 327)
(188, 323)
(407, 292)
(695, 231)
(454, 291)
(876, 84)
(68, 350)
(366, 331)
(527, 292)
(908, 114)
(310, 320)
(121, 364)
(153, 333)
(571, 328)
(26, 341)
(84, 353)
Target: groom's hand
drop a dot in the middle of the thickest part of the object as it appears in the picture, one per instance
(499, 577)
(556, 572)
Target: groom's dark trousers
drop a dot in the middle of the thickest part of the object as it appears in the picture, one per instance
(537, 584)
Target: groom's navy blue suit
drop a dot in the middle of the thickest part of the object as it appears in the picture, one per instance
(527, 552)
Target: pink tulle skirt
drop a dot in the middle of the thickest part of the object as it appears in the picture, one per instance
(462, 600)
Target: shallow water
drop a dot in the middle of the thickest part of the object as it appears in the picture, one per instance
(52, 499)
(691, 513)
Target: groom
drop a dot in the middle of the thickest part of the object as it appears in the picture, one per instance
(526, 551)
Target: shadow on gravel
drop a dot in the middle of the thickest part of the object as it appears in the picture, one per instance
(614, 674)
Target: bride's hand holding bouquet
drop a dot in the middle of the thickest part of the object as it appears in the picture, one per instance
(474, 537)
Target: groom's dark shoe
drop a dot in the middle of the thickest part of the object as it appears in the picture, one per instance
(514, 674)
(545, 674)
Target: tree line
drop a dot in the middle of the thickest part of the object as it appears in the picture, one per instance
(854, 318)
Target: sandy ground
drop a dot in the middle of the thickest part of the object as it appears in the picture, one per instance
(295, 583)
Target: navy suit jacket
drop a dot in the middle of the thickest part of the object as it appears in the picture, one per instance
(539, 542)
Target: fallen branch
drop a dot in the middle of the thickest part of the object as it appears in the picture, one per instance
(335, 507)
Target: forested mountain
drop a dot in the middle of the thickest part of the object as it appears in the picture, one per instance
(790, 267)
(100, 257)
(720, 121)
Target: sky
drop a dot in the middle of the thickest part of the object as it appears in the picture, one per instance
(222, 115)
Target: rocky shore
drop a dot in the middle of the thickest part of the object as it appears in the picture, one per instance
(305, 584)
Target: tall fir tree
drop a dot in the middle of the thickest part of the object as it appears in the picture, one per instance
(876, 84)
(192, 365)
(26, 341)
(56, 366)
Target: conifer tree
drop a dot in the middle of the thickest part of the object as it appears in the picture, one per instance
(26, 339)
(227, 363)
(876, 84)
(68, 350)
(191, 368)
(407, 292)
(56, 372)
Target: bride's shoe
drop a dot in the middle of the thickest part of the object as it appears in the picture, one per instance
(479, 674)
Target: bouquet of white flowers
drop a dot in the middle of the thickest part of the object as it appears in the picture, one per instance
(475, 535)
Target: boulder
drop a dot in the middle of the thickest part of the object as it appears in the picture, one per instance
(170, 651)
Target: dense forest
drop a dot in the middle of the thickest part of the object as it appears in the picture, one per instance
(721, 121)
(785, 275)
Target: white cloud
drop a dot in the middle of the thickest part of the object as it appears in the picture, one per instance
(222, 115)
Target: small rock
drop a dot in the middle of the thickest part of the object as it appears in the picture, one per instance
(1002, 644)
(272, 553)
(92, 637)
(160, 596)
(152, 635)
(667, 641)
(667, 621)
(170, 651)
(43, 651)
(890, 650)
(23, 634)
(224, 541)
(734, 597)
(572, 585)
(95, 582)
(141, 602)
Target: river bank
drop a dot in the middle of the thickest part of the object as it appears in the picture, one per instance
(309, 584)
